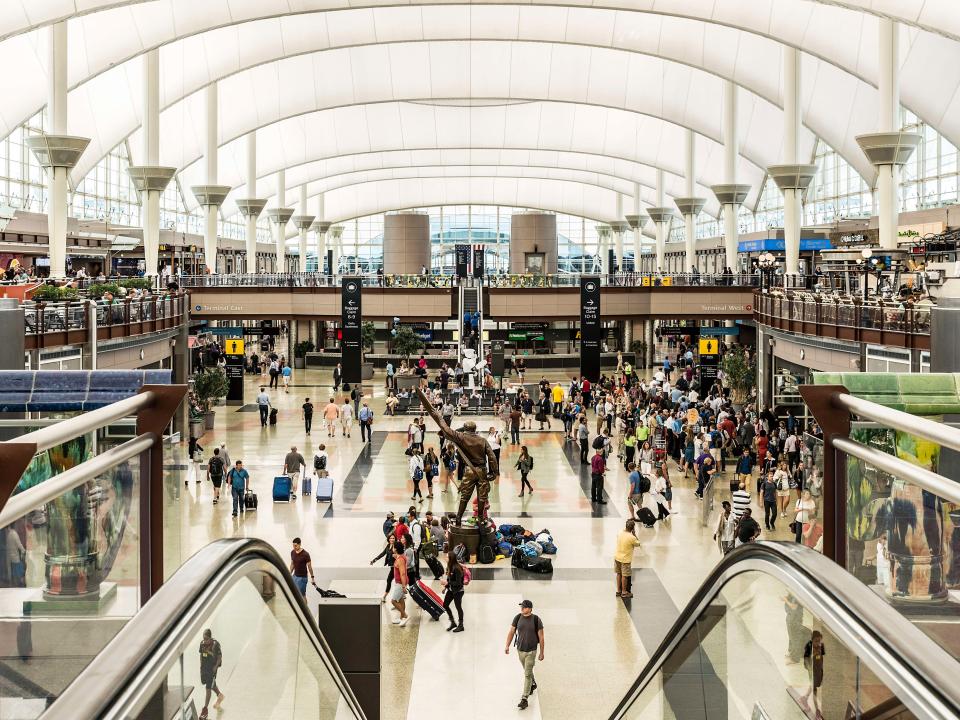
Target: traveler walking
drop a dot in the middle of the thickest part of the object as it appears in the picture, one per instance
(399, 591)
(598, 467)
(337, 377)
(306, 412)
(454, 583)
(330, 414)
(524, 465)
(415, 467)
(286, 373)
(215, 471)
(769, 493)
(493, 437)
(346, 418)
(239, 480)
(291, 466)
(388, 558)
(748, 529)
(274, 372)
(813, 654)
(431, 469)
(623, 558)
(526, 633)
(806, 507)
(515, 416)
(320, 460)
(741, 501)
(300, 566)
(211, 658)
(726, 526)
(263, 405)
(366, 422)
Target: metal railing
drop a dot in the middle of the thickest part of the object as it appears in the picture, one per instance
(43, 317)
(127, 673)
(625, 279)
(915, 669)
(843, 311)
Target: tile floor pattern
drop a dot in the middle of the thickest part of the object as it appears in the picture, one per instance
(595, 643)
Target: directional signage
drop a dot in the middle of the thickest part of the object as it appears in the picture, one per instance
(351, 318)
(478, 262)
(709, 346)
(496, 358)
(462, 255)
(232, 346)
(590, 327)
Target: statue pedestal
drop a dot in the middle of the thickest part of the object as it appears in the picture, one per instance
(92, 604)
(469, 536)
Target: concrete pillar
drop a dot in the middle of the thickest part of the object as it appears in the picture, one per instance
(302, 222)
(320, 227)
(149, 178)
(279, 217)
(251, 206)
(730, 195)
(533, 232)
(210, 196)
(662, 218)
(406, 243)
(889, 148)
(619, 226)
(603, 235)
(690, 206)
(56, 151)
(336, 235)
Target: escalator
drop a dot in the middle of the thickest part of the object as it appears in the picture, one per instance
(736, 651)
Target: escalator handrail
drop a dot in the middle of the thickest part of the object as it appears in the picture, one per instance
(180, 603)
(915, 668)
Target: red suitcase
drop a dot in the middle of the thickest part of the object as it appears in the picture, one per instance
(424, 596)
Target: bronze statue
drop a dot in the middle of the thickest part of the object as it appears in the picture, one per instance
(476, 452)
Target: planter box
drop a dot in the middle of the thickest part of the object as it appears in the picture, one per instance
(208, 419)
(299, 363)
(196, 428)
(366, 371)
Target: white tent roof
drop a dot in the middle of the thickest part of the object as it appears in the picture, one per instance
(626, 64)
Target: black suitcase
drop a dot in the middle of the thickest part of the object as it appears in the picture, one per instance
(250, 500)
(646, 516)
(435, 566)
(425, 597)
(273, 416)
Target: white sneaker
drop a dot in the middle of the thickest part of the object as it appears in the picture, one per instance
(395, 621)
(403, 622)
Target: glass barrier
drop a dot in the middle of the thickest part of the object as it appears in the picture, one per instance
(756, 652)
(70, 576)
(901, 540)
(248, 654)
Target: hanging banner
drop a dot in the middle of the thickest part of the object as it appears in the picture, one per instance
(351, 318)
(590, 329)
(462, 254)
(478, 267)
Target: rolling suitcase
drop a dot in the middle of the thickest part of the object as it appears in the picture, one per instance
(306, 485)
(250, 500)
(325, 489)
(435, 567)
(281, 488)
(424, 596)
(646, 516)
(273, 416)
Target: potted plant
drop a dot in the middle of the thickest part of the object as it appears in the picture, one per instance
(368, 334)
(210, 386)
(739, 374)
(300, 351)
(406, 342)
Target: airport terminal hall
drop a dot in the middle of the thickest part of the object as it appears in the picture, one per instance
(480, 360)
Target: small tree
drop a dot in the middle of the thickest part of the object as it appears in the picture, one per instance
(368, 334)
(209, 386)
(639, 350)
(406, 342)
(739, 373)
(303, 347)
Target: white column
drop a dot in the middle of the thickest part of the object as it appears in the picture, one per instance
(302, 210)
(731, 148)
(251, 177)
(661, 227)
(791, 197)
(151, 157)
(690, 220)
(888, 176)
(210, 157)
(57, 176)
(321, 235)
(638, 231)
(618, 239)
(280, 229)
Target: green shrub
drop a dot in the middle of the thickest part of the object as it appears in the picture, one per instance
(96, 290)
(138, 283)
(209, 386)
(303, 347)
(406, 342)
(52, 293)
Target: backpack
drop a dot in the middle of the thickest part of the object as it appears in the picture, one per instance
(418, 473)
(644, 484)
(461, 552)
(598, 442)
(467, 576)
(319, 463)
(216, 465)
(485, 555)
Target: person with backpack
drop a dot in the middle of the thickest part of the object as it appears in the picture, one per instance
(415, 466)
(627, 541)
(526, 633)
(455, 580)
(431, 468)
(215, 470)
(524, 465)
(639, 484)
(211, 658)
(320, 460)
(239, 480)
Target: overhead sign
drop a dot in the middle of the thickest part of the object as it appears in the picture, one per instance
(590, 327)
(233, 346)
(478, 261)
(462, 255)
(351, 318)
(719, 331)
(679, 329)
(529, 326)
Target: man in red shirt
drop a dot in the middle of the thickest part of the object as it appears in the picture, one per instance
(400, 529)
(597, 468)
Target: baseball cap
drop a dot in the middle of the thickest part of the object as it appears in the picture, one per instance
(527, 604)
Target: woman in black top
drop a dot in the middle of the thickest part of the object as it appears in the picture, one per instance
(524, 465)
(431, 468)
(453, 582)
(387, 555)
(813, 654)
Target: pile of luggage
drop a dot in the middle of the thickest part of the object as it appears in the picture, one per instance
(526, 548)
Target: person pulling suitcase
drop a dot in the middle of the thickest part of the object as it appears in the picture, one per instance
(292, 463)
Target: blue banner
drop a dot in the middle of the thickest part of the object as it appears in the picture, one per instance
(777, 245)
(719, 331)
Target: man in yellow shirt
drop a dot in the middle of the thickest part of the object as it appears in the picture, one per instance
(643, 432)
(557, 396)
(623, 559)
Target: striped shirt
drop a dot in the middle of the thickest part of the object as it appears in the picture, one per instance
(741, 501)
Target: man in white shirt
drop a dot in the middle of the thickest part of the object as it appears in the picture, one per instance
(263, 405)
(346, 418)
(741, 500)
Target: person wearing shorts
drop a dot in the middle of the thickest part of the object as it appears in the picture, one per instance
(330, 414)
(211, 658)
(346, 418)
(623, 558)
(399, 589)
(635, 494)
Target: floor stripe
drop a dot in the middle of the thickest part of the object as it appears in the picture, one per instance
(353, 481)
(571, 451)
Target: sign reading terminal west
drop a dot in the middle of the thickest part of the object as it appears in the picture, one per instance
(351, 318)
(590, 329)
